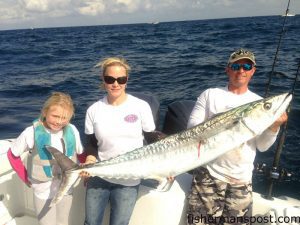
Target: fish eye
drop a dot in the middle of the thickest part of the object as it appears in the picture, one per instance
(267, 105)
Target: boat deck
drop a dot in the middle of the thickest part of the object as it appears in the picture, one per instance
(152, 207)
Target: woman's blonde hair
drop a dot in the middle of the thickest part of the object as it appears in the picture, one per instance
(113, 61)
(61, 99)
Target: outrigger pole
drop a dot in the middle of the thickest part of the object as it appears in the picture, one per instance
(274, 173)
(277, 51)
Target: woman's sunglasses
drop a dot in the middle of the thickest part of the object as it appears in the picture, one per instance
(245, 66)
(111, 80)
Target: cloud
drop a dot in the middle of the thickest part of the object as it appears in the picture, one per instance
(36, 5)
(8, 11)
(129, 5)
(100, 7)
(44, 6)
(19, 11)
(43, 13)
(92, 8)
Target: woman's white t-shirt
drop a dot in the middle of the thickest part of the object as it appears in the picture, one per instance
(119, 129)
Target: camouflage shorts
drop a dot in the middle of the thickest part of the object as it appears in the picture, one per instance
(212, 201)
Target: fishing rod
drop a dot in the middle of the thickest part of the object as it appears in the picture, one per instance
(277, 51)
(274, 173)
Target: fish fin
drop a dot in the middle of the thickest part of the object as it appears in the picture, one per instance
(64, 162)
(160, 184)
(68, 180)
(164, 185)
(68, 177)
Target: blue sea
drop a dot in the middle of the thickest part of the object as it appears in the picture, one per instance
(172, 60)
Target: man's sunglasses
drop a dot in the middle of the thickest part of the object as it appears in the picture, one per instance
(245, 66)
(111, 80)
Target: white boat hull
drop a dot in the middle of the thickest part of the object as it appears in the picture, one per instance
(152, 207)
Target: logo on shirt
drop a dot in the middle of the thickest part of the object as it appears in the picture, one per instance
(131, 118)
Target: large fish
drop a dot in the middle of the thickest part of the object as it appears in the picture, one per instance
(184, 151)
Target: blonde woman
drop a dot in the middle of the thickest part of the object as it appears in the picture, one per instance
(114, 125)
(51, 128)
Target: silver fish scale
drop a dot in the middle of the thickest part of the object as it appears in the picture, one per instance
(194, 134)
(187, 150)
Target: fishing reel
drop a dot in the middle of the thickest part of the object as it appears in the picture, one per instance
(273, 173)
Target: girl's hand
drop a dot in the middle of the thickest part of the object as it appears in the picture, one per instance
(28, 184)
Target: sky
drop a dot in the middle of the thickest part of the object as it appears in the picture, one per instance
(23, 14)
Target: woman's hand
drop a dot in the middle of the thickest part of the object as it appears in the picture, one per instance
(84, 174)
(90, 159)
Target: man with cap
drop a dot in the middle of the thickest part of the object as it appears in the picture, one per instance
(221, 191)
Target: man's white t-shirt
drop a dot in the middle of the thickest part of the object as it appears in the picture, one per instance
(236, 165)
(119, 129)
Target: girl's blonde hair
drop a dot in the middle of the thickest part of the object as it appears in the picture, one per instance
(61, 99)
(113, 61)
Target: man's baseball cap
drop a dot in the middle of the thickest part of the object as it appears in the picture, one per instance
(241, 54)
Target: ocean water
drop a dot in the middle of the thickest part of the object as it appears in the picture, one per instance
(173, 61)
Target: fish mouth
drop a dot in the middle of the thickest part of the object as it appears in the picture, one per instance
(289, 95)
(288, 98)
(285, 103)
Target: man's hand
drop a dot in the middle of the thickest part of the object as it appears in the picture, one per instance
(282, 119)
(170, 179)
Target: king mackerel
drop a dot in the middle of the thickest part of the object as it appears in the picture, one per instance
(181, 152)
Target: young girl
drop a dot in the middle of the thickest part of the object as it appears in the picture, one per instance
(41, 173)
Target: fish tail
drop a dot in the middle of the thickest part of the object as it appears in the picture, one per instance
(68, 177)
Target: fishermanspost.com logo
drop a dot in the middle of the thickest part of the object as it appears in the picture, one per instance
(243, 219)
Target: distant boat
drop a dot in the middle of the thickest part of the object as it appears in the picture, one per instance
(288, 14)
(155, 22)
